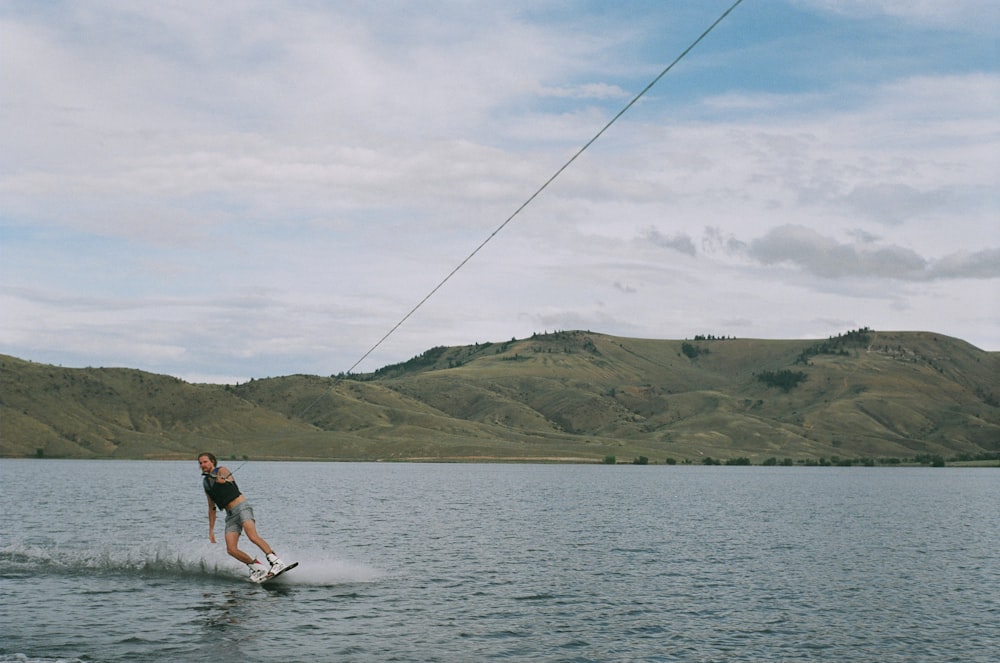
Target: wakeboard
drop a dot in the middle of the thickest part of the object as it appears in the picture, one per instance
(284, 570)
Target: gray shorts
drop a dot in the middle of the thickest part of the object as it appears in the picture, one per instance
(241, 513)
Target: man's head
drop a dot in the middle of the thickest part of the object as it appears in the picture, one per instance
(206, 461)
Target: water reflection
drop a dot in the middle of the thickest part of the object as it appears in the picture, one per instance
(223, 609)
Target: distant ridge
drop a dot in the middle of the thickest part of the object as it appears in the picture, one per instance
(861, 396)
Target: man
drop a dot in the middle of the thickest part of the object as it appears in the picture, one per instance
(223, 493)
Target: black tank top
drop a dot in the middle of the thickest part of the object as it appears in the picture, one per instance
(222, 493)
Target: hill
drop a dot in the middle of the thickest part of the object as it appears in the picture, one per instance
(565, 395)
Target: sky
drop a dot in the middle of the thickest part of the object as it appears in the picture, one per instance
(234, 190)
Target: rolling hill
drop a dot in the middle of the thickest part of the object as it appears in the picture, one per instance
(561, 396)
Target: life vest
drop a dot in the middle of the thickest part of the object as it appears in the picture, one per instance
(221, 492)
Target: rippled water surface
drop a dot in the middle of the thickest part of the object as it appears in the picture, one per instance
(110, 561)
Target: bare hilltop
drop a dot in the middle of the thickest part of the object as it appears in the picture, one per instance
(865, 396)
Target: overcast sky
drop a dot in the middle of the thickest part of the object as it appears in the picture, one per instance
(227, 190)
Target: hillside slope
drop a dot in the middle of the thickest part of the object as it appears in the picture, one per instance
(578, 395)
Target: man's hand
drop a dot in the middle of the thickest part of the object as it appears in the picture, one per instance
(211, 535)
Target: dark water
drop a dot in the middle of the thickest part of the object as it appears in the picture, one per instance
(110, 561)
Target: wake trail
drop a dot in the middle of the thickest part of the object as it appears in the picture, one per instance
(163, 561)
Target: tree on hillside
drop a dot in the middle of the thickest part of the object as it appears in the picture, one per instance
(784, 379)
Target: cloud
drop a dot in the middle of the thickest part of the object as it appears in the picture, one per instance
(863, 236)
(983, 264)
(825, 257)
(587, 91)
(679, 242)
(966, 14)
(266, 188)
(714, 240)
(893, 203)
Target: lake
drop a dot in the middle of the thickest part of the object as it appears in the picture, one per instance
(110, 561)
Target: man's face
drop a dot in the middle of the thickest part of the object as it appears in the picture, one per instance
(205, 463)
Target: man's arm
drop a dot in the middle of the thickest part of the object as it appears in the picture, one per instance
(211, 519)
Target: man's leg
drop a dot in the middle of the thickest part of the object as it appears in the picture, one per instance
(250, 527)
(258, 571)
(231, 547)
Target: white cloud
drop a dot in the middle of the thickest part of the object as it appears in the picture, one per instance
(817, 254)
(894, 202)
(588, 91)
(679, 242)
(958, 14)
(256, 192)
(824, 256)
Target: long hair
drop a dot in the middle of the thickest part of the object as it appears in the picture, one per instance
(208, 479)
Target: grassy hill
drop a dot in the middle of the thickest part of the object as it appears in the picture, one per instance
(565, 395)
